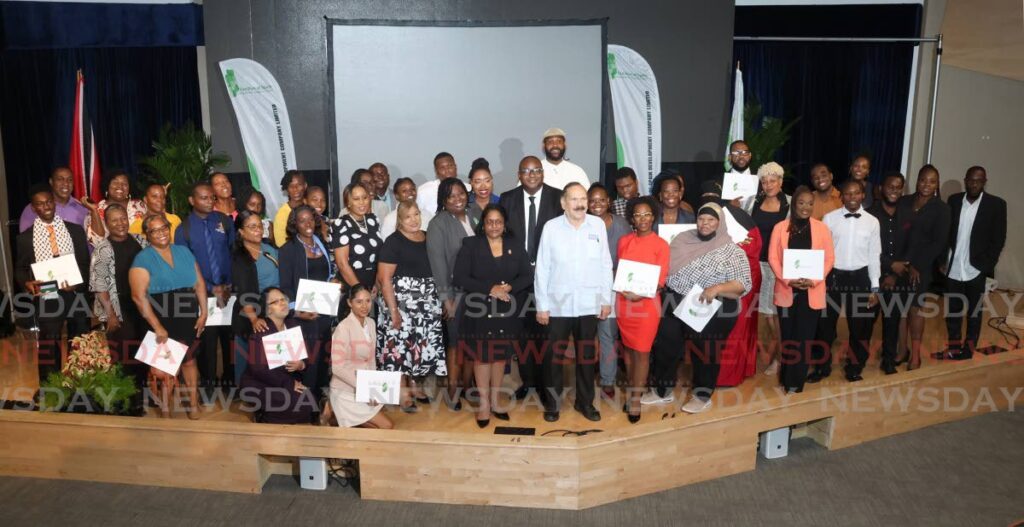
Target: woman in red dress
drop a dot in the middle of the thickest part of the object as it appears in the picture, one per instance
(637, 316)
(738, 359)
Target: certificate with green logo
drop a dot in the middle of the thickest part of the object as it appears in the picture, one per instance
(637, 278)
(695, 313)
(382, 387)
(803, 263)
(284, 346)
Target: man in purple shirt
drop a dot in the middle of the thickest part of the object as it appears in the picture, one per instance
(62, 181)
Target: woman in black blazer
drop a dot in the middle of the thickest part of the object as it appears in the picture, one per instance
(304, 255)
(495, 272)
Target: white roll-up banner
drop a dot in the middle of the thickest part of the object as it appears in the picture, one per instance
(637, 110)
(264, 124)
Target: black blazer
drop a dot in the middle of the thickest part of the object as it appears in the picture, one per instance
(292, 266)
(245, 284)
(477, 270)
(26, 256)
(550, 207)
(988, 235)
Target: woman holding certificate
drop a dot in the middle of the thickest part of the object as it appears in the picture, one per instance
(169, 291)
(352, 349)
(409, 326)
(669, 191)
(638, 316)
(706, 269)
(494, 272)
(800, 300)
(278, 394)
(304, 257)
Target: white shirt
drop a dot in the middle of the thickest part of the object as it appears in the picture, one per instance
(857, 241)
(747, 203)
(563, 173)
(389, 224)
(526, 214)
(574, 268)
(960, 268)
(426, 196)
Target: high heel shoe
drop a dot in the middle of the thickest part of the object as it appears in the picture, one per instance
(911, 366)
(501, 416)
(410, 409)
(634, 419)
(482, 423)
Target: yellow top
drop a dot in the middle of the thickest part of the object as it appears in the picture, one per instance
(173, 219)
(281, 223)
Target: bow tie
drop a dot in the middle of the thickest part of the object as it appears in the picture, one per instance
(852, 215)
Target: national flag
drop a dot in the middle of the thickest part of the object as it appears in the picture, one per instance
(736, 123)
(84, 160)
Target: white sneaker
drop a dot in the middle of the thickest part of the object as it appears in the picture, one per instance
(652, 397)
(696, 406)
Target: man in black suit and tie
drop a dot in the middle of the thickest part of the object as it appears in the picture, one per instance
(974, 246)
(48, 237)
(529, 207)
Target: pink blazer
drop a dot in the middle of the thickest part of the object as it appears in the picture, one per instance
(821, 239)
(351, 350)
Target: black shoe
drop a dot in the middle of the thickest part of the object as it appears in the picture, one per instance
(634, 419)
(959, 355)
(424, 400)
(853, 377)
(888, 368)
(794, 389)
(551, 417)
(815, 377)
(482, 423)
(456, 406)
(521, 393)
(625, 407)
(589, 412)
(501, 416)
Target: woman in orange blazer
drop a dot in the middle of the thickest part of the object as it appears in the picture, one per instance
(800, 301)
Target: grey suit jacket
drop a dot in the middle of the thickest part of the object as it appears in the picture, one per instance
(444, 239)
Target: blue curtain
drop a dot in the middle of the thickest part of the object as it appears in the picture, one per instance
(130, 92)
(851, 98)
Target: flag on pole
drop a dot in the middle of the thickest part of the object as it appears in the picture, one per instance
(84, 161)
(736, 123)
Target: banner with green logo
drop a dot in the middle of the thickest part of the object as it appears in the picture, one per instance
(264, 124)
(637, 110)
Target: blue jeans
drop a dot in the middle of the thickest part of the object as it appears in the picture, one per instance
(607, 338)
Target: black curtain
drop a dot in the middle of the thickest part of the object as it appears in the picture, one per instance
(131, 92)
(851, 97)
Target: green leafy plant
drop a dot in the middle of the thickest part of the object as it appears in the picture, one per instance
(180, 158)
(764, 134)
(89, 382)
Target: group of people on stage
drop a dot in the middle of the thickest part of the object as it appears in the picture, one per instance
(454, 280)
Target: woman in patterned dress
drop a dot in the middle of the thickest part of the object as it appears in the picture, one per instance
(355, 243)
(409, 325)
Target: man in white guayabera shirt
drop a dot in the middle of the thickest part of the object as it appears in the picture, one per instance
(558, 171)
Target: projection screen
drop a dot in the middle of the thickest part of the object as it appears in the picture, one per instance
(402, 92)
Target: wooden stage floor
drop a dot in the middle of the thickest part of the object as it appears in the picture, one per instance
(441, 456)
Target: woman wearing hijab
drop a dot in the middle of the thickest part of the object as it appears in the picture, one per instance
(708, 259)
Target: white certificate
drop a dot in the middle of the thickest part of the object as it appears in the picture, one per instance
(216, 316)
(284, 346)
(736, 231)
(318, 297)
(668, 232)
(738, 186)
(62, 269)
(384, 387)
(695, 313)
(637, 277)
(166, 357)
(803, 263)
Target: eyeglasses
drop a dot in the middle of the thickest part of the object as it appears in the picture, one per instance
(642, 215)
(534, 171)
(160, 230)
(278, 301)
(740, 152)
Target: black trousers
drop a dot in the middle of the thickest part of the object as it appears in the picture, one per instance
(124, 343)
(532, 343)
(798, 325)
(207, 358)
(964, 298)
(892, 307)
(583, 331)
(849, 291)
(51, 315)
(676, 341)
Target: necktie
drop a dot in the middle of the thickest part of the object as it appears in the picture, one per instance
(531, 224)
(54, 248)
(211, 254)
(852, 215)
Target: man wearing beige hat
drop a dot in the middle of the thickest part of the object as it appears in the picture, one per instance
(558, 172)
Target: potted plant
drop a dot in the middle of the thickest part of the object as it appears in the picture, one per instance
(181, 157)
(89, 382)
(764, 135)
